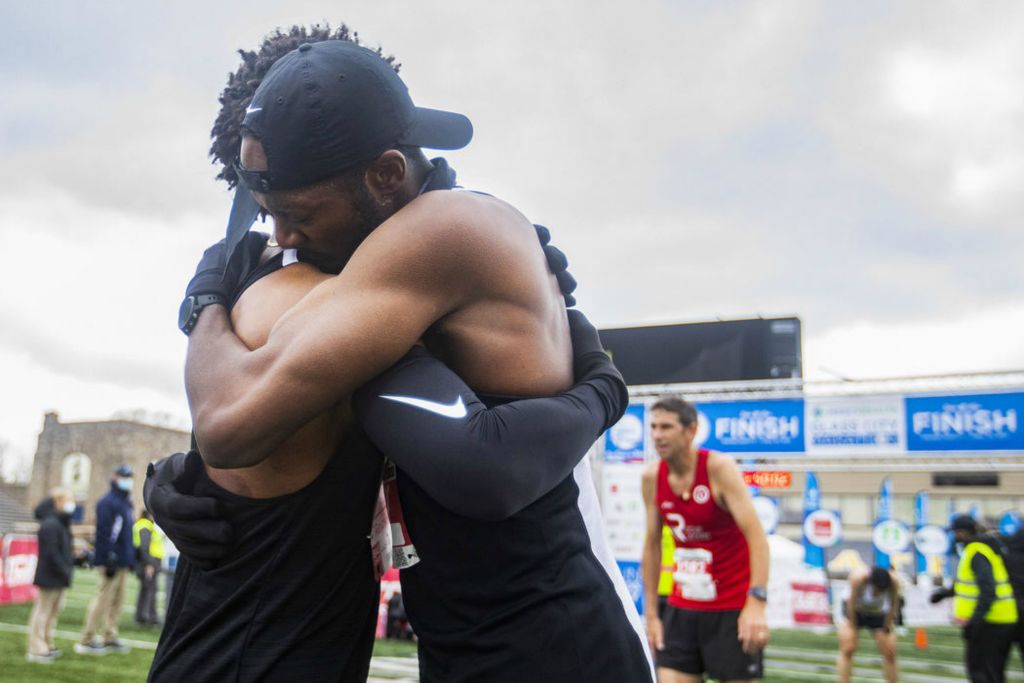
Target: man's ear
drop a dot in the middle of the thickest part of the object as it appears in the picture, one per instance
(387, 175)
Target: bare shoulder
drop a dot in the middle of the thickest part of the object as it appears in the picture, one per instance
(721, 467)
(439, 218)
(262, 304)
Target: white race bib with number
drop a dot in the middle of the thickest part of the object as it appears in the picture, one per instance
(693, 575)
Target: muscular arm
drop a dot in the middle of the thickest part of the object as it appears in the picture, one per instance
(650, 563)
(752, 628)
(418, 266)
(736, 497)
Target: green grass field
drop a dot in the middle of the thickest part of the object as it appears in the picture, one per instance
(793, 656)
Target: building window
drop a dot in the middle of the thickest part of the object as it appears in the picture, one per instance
(76, 471)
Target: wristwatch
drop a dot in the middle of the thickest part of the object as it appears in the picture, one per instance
(188, 314)
(758, 593)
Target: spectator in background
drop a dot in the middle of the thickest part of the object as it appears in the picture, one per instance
(149, 554)
(114, 559)
(1015, 567)
(53, 573)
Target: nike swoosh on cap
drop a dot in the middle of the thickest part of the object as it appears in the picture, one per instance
(252, 110)
(454, 411)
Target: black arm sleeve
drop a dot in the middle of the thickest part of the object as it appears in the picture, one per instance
(986, 581)
(487, 463)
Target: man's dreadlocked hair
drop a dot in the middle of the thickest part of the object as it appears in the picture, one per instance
(242, 85)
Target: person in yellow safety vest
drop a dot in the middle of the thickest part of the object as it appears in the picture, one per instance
(983, 603)
(668, 568)
(149, 552)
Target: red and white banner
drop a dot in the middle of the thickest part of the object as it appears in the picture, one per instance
(19, 554)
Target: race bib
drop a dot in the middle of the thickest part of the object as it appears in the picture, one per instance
(380, 537)
(693, 574)
(403, 552)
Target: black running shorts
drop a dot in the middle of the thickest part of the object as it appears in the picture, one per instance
(705, 642)
(871, 621)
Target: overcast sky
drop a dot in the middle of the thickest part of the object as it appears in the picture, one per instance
(858, 164)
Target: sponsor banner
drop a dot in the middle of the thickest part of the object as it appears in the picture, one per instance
(634, 583)
(890, 536)
(625, 441)
(860, 424)
(823, 528)
(19, 554)
(810, 604)
(768, 479)
(976, 422)
(625, 517)
(774, 426)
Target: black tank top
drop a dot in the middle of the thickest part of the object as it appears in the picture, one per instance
(296, 600)
(522, 599)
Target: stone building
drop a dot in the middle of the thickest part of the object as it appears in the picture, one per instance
(82, 456)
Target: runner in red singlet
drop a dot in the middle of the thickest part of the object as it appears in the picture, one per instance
(714, 623)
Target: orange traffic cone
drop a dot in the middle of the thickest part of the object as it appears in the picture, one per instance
(921, 638)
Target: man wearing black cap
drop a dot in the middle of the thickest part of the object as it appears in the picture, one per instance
(114, 558)
(332, 153)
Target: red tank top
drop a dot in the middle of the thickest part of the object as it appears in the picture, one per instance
(712, 561)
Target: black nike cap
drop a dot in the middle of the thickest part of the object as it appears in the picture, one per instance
(325, 107)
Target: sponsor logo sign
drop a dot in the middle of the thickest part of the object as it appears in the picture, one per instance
(976, 422)
(810, 603)
(772, 426)
(861, 424)
(931, 540)
(823, 528)
(768, 479)
(891, 536)
(19, 555)
(622, 506)
(624, 442)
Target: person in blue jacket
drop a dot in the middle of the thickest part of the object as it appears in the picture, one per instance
(115, 559)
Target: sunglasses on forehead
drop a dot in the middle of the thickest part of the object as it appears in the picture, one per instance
(256, 181)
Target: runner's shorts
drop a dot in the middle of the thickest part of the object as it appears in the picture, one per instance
(870, 621)
(699, 642)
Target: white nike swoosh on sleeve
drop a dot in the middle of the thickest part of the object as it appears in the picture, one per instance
(455, 411)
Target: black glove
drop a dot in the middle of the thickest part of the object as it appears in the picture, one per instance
(214, 276)
(110, 567)
(194, 524)
(590, 363)
(558, 264)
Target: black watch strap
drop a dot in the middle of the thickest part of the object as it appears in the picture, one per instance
(758, 593)
(192, 306)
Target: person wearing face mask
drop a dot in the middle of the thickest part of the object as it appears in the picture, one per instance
(115, 559)
(53, 574)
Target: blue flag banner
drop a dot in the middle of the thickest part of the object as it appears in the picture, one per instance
(884, 514)
(920, 520)
(814, 556)
(1009, 523)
